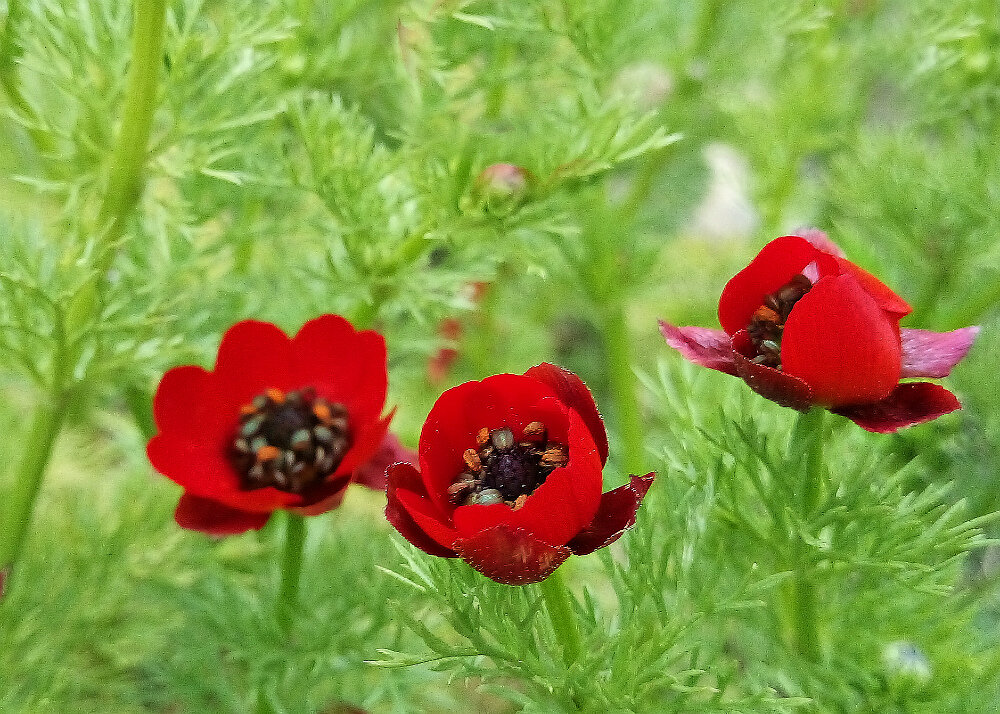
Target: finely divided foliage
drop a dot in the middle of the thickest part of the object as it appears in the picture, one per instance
(516, 183)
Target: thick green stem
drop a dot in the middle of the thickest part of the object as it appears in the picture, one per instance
(129, 157)
(291, 570)
(557, 603)
(624, 387)
(802, 613)
(45, 427)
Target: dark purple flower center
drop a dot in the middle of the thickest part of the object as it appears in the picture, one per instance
(503, 470)
(291, 441)
(768, 322)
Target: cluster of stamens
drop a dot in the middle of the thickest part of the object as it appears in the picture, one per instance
(503, 470)
(768, 321)
(289, 441)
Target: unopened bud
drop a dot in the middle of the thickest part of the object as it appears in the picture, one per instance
(501, 188)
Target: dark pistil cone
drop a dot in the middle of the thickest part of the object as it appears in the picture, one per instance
(289, 441)
(503, 469)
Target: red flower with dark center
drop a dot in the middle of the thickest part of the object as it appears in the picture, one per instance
(804, 327)
(510, 477)
(280, 423)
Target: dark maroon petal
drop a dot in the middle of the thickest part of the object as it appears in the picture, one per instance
(574, 393)
(404, 476)
(213, 518)
(390, 451)
(701, 345)
(910, 403)
(322, 497)
(773, 384)
(615, 515)
(933, 354)
(511, 556)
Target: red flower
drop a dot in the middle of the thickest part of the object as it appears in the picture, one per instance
(280, 423)
(510, 477)
(803, 326)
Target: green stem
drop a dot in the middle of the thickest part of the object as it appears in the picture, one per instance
(45, 427)
(291, 569)
(802, 613)
(557, 603)
(129, 157)
(624, 386)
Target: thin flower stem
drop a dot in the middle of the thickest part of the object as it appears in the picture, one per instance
(38, 446)
(557, 604)
(625, 388)
(802, 613)
(291, 569)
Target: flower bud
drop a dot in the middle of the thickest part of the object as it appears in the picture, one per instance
(500, 189)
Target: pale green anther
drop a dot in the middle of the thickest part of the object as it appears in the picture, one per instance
(771, 345)
(489, 496)
(323, 434)
(300, 438)
(503, 439)
(251, 427)
(260, 401)
(257, 444)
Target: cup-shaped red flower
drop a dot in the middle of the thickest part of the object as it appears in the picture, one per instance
(804, 327)
(280, 423)
(510, 477)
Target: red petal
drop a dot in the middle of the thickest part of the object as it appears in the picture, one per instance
(615, 516)
(504, 400)
(880, 292)
(390, 451)
(701, 345)
(886, 298)
(201, 514)
(574, 394)
(559, 508)
(201, 469)
(511, 556)
(933, 354)
(253, 356)
(840, 342)
(403, 478)
(778, 386)
(777, 263)
(910, 403)
(188, 405)
(343, 365)
(204, 471)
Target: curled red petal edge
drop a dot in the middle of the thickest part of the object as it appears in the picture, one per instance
(511, 556)
(615, 515)
(574, 393)
(934, 354)
(701, 345)
(910, 403)
(194, 513)
(405, 476)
